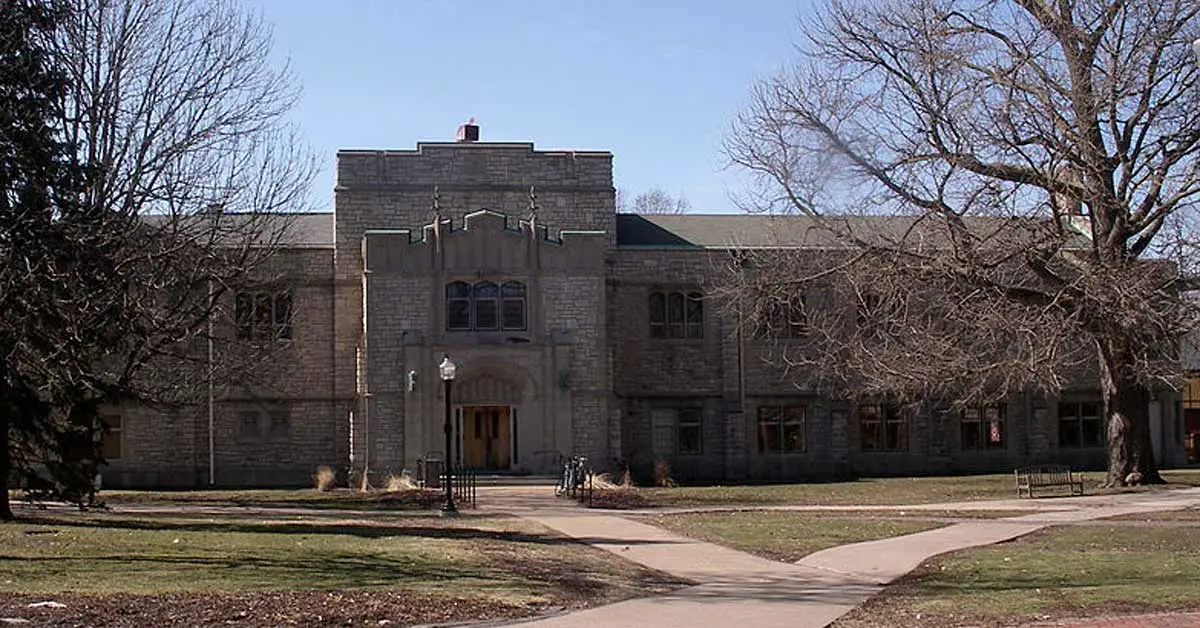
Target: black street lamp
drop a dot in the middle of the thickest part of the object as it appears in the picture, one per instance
(447, 370)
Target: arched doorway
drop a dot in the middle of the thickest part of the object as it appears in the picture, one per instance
(487, 404)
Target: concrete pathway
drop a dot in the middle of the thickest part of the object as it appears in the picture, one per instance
(734, 588)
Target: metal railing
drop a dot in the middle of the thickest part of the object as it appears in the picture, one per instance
(466, 484)
(431, 474)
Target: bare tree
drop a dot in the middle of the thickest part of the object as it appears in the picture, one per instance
(1032, 153)
(654, 201)
(175, 111)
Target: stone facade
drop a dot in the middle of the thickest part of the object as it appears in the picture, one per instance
(572, 367)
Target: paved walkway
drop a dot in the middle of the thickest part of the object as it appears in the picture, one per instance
(734, 588)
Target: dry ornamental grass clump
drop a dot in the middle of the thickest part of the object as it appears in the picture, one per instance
(324, 479)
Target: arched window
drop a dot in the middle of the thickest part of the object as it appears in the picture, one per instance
(512, 306)
(676, 315)
(694, 315)
(458, 306)
(658, 315)
(487, 306)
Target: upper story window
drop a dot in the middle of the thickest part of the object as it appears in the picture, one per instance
(784, 318)
(263, 315)
(485, 306)
(676, 315)
(879, 316)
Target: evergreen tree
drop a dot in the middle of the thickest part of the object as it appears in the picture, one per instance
(40, 186)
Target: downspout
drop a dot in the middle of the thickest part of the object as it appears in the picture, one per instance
(741, 379)
(212, 431)
(363, 373)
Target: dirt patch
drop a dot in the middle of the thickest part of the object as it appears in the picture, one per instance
(619, 499)
(290, 608)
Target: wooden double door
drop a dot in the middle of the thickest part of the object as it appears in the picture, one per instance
(486, 437)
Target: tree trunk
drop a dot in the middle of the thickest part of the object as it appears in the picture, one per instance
(1126, 406)
(6, 513)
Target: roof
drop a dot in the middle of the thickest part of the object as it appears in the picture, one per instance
(721, 231)
(311, 230)
(301, 230)
(294, 230)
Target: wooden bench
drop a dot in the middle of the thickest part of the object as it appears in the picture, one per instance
(1046, 476)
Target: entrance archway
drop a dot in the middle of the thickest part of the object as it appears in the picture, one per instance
(487, 403)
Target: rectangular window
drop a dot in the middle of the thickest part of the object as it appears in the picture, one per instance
(691, 433)
(248, 424)
(280, 420)
(783, 319)
(983, 428)
(781, 429)
(263, 315)
(1080, 424)
(883, 428)
(676, 315)
(677, 431)
(110, 444)
(663, 432)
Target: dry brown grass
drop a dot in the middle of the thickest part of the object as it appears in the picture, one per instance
(402, 482)
(662, 474)
(324, 479)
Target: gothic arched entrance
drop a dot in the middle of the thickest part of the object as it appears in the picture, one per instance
(487, 406)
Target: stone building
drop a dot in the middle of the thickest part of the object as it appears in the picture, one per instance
(575, 329)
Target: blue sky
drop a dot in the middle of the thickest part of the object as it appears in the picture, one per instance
(657, 82)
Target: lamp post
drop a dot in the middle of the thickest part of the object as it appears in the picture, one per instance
(447, 369)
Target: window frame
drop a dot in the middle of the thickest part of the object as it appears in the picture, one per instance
(776, 416)
(462, 296)
(110, 434)
(887, 416)
(667, 427)
(979, 416)
(784, 320)
(675, 314)
(520, 297)
(264, 315)
(1079, 418)
(478, 302)
(504, 294)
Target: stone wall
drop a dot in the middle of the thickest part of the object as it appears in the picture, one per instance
(386, 234)
(287, 379)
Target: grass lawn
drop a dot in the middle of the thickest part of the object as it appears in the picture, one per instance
(1071, 571)
(786, 536)
(497, 566)
(867, 491)
(1187, 515)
